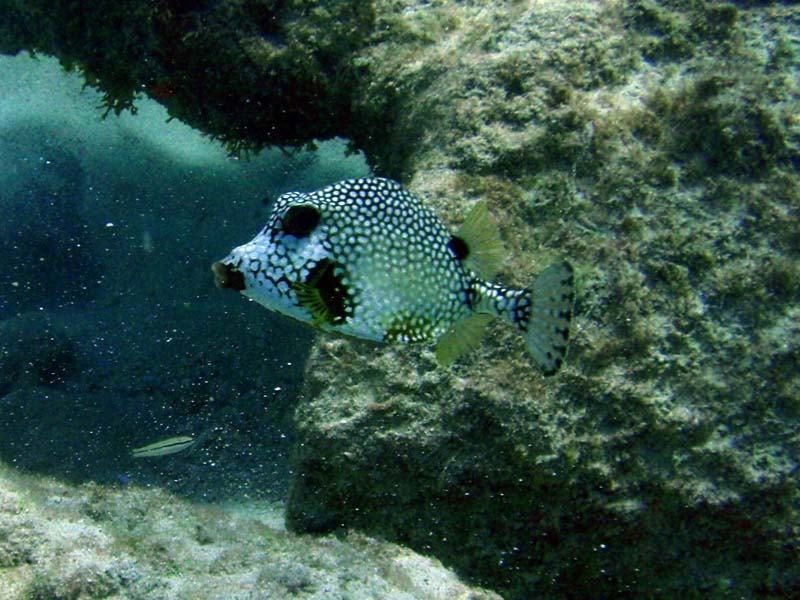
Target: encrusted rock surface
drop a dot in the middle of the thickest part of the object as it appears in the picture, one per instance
(654, 144)
(60, 541)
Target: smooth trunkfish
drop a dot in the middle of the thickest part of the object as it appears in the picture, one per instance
(366, 258)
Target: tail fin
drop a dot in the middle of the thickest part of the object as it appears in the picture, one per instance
(543, 314)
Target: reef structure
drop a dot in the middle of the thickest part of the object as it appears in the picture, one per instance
(250, 73)
(654, 143)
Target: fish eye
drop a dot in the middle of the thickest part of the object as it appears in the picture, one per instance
(300, 220)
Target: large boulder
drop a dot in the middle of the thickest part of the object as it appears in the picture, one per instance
(663, 459)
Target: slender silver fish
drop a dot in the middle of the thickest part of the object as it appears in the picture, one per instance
(163, 447)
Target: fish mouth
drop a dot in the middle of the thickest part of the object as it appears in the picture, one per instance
(225, 276)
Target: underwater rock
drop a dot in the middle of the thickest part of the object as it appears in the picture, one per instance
(672, 429)
(59, 541)
(249, 73)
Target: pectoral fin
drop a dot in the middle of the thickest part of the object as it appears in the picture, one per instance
(324, 294)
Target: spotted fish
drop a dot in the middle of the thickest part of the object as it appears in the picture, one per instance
(366, 258)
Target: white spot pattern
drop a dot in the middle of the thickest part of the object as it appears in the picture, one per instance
(404, 280)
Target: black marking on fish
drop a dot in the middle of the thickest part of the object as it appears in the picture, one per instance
(301, 220)
(227, 276)
(459, 247)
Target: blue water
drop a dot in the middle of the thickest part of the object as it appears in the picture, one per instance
(113, 333)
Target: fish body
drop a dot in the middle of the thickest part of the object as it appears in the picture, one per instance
(164, 447)
(366, 258)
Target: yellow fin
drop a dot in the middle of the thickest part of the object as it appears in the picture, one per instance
(462, 337)
(482, 236)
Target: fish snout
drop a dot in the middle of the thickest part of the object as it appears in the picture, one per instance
(226, 276)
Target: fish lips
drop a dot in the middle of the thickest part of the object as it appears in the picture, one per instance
(226, 276)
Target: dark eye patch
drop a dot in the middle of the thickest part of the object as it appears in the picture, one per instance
(300, 220)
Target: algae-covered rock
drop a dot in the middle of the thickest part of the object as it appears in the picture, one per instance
(59, 541)
(250, 73)
(663, 459)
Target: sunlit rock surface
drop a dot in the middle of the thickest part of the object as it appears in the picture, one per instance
(59, 541)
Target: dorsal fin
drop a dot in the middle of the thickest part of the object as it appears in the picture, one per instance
(485, 252)
(462, 337)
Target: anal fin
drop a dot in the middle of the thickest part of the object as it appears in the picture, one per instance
(462, 337)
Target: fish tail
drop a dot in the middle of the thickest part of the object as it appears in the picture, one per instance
(541, 312)
(544, 314)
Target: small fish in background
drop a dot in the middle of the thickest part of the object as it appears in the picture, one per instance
(147, 241)
(366, 258)
(164, 447)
